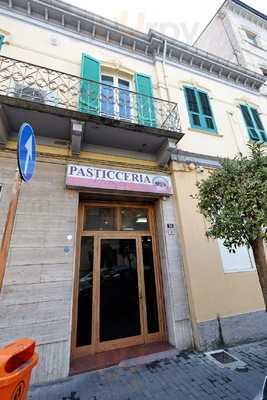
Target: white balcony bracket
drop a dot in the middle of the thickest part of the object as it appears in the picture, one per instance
(4, 128)
(77, 128)
(165, 151)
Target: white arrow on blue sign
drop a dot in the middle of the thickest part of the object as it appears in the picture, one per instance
(26, 151)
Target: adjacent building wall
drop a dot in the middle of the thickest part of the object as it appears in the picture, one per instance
(255, 55)
(225, 36)
(215, 39)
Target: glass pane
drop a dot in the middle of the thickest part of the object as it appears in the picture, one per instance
(134, 219)
(209, 123)
(124, 100)
(257, 118)
(119, 301)
(196, 119)
(247, 116)
(99, 219)
(205, 104)
(107, 95)
(191, 99)
(150, 285)
(84, 320)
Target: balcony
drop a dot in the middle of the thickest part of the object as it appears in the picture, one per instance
(84, 112)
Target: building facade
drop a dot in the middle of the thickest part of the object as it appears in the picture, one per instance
(109, 250)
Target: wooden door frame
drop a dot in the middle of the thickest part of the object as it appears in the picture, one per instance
(144, 337)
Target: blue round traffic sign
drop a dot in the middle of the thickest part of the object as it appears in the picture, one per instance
(26, 152)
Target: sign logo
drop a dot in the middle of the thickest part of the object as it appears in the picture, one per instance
(26, 152)
(18, 392)
(161, 183)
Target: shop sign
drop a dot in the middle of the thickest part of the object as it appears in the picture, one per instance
(79, 176)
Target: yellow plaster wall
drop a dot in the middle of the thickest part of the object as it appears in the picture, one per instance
(232, 134)
(213, 291)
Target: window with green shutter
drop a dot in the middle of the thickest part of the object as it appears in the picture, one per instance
(90, 85)
(2, 38)
(199, 110)
(253, 123)
(145, 101)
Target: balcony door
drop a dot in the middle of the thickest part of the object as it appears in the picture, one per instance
(115, 97)
(118, 300)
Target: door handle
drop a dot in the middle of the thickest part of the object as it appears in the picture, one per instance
(140, 294)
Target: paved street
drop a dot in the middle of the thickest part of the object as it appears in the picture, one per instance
(183, 376)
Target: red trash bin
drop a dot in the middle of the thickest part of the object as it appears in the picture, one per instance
(17, 359)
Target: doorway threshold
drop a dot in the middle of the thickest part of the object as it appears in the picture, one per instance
(124, 357)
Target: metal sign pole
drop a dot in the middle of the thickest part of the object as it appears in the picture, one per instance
(6, 239)
(26, 157)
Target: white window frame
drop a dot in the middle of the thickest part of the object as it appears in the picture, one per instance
(232, 266)
(116, 78)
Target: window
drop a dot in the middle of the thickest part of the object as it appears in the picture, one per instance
(199, 110)
(115, 97)
(2, 38)
(253, 123)
(252, 38)
(240, 261)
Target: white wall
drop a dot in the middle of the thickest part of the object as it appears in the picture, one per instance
(215, 40)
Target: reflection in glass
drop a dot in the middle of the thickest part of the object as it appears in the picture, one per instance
(84, 318)
(134, 219)
(119, 302)
(107, 95)
(99, 219)
(124, 100)
(150, 285)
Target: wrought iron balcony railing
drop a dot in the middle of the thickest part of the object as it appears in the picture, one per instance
(19, 79)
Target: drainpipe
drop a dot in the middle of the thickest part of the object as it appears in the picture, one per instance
(231, 38)
(164, 70)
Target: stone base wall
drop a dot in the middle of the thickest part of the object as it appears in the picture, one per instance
(229, 331)
(36, 300)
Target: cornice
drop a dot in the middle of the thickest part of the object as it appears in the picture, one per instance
(247, 12)
(85, 24)
(203, 160)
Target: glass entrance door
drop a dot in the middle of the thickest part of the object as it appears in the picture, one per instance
(118, 290)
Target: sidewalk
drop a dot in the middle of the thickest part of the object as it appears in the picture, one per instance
(186, 376)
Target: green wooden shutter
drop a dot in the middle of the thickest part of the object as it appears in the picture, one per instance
(145, 103)
(2, 38)
(90, 87)
(250, 124)
(199, 110)
(258, 123)
(206, 112)
(192, 106)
